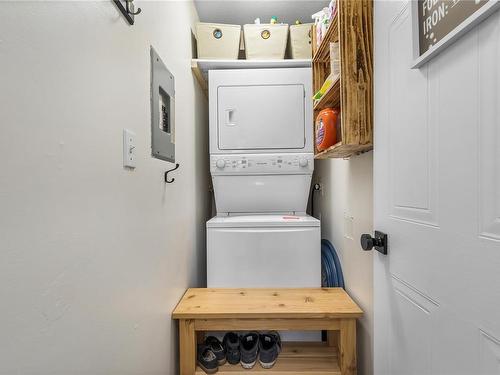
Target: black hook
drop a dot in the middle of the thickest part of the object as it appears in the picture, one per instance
(128, 9)
(171, 170)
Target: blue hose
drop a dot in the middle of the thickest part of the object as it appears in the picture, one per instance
(331, 270)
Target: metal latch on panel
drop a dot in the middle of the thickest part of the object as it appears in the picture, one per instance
(162, 110)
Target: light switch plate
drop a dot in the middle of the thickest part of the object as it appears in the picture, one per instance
(348, 226)
(129, 150)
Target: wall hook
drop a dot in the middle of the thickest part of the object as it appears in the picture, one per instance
(171, 170)
(127, 10)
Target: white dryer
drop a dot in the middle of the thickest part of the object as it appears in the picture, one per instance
(261, 139)
(260, 111)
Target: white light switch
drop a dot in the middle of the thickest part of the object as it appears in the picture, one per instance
(348, 226)
(128, 148)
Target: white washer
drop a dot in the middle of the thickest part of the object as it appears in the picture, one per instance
(257, 251)
(265, 251)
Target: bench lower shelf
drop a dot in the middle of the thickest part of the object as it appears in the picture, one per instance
(297, 358)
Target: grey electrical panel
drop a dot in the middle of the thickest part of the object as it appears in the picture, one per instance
(162, 110)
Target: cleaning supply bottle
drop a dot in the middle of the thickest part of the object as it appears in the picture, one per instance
(326, 126)
(318, 17)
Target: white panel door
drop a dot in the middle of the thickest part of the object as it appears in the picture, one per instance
(437, 196)
(261, 117)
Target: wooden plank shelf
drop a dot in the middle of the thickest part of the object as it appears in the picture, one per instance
(342, 151)
(266, 303)
(322, 54)
(295, 359)
(200, 67)
(331, 98)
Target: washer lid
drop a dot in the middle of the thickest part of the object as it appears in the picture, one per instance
(252, 221)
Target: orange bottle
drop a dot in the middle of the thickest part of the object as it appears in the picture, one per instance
(326, 128)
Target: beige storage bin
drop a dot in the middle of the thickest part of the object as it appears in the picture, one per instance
(300, 41)
(218, 41)
(265, 41)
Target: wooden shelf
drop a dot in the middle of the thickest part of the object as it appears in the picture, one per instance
(353, 93)
(322, 54)
(266, 303)
(331, 98)
(340, 150)
(200, 67)
(300, 358)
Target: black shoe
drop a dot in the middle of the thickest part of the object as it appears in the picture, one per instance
(249, 348)
(220, 353)
(231, 343)
(269, 349)
(207, 359)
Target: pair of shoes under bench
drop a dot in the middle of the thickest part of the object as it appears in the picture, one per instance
(266, 347)
(211, 355)
(231, 343)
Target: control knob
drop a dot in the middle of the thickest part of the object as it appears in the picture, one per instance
(303, 162)
(220, 163)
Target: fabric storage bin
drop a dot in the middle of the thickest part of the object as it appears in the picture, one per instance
(300, 41)
(265, 41)
(218, 41)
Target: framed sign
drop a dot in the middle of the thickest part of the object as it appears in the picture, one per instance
(438, 23)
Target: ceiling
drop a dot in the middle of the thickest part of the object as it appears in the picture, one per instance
(240, 12)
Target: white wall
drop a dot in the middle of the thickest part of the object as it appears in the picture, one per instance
(345, 206)
(93, 257)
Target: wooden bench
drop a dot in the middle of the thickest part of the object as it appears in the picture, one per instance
(308, 309)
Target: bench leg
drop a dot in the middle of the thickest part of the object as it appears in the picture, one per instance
(347, 347)
(187, 347)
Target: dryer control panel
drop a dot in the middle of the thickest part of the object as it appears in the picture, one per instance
(262, 164)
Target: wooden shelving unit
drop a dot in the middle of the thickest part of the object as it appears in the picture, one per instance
(353, 91)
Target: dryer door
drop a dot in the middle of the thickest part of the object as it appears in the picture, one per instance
(261, 117)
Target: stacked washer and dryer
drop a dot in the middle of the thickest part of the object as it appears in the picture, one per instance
(261, 162)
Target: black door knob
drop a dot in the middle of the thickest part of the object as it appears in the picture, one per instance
(367, 241)
(379, 242)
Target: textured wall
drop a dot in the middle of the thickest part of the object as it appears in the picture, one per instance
(345, 206)
(94, 257)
